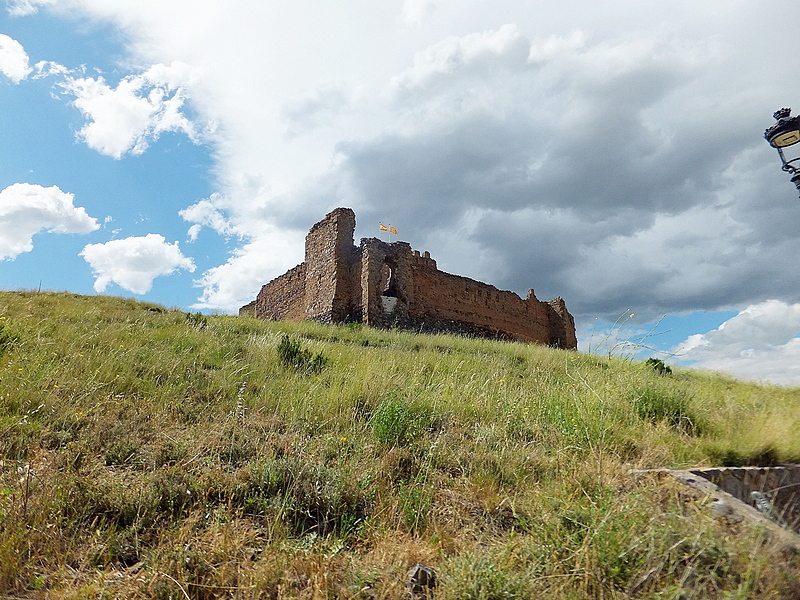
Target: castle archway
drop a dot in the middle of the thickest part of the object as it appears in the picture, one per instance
(389, 288)
(388, 285)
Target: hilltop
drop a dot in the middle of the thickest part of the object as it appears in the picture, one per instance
(152, 453)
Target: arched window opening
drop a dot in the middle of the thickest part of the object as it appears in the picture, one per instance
(390, 296)
(388, 281)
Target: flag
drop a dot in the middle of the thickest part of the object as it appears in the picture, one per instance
(384, 227)
(392, 230)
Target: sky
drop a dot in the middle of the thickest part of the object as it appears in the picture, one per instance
(610, 153)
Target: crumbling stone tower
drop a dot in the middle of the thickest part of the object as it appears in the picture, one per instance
(331, 265)
(390, 285)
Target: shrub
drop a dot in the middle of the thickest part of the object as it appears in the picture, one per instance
(292, 354)
(658, 366)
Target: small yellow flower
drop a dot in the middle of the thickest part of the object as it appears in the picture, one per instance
(344, 439)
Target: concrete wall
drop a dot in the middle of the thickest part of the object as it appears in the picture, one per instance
(781, 484)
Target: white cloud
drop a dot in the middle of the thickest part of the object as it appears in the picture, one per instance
(236, 282)
(319, 108)
(760, 343)
(27, 209)
(46, 68)
(129, 117)
(452, 56)
(21, 8)
(13, 59)
(133, 263)
(414, 12)
(553, 46)
(621, 338)
(207, 213)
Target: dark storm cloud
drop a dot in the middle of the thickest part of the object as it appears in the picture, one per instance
(580, 177)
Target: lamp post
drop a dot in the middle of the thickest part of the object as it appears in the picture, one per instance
(783, 134)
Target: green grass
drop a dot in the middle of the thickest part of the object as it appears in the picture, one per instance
(152, 453)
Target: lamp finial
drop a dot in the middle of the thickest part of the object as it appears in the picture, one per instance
(782, 113)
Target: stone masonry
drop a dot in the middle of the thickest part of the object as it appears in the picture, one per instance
(390, 285)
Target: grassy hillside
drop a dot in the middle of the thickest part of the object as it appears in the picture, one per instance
(151, 453)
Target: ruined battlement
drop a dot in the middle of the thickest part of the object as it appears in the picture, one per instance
(391, 285)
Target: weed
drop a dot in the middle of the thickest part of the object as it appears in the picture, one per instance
(197, 320)
(416, 500)
(764, 456)
(670, 406)
(122, 452)
(398, 423)
(476, 576)
(614, 342)
(7, 339)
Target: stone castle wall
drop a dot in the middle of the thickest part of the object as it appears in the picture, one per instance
(391, 285)
(283, 298)
(441, 296)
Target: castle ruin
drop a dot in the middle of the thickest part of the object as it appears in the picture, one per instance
(385, 285)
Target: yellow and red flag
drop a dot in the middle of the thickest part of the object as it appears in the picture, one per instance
(392, 230)
(384, 227)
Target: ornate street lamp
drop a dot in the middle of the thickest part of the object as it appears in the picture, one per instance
(785, 133)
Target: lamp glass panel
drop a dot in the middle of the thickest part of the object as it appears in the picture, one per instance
(787, 138)
(791, 154)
